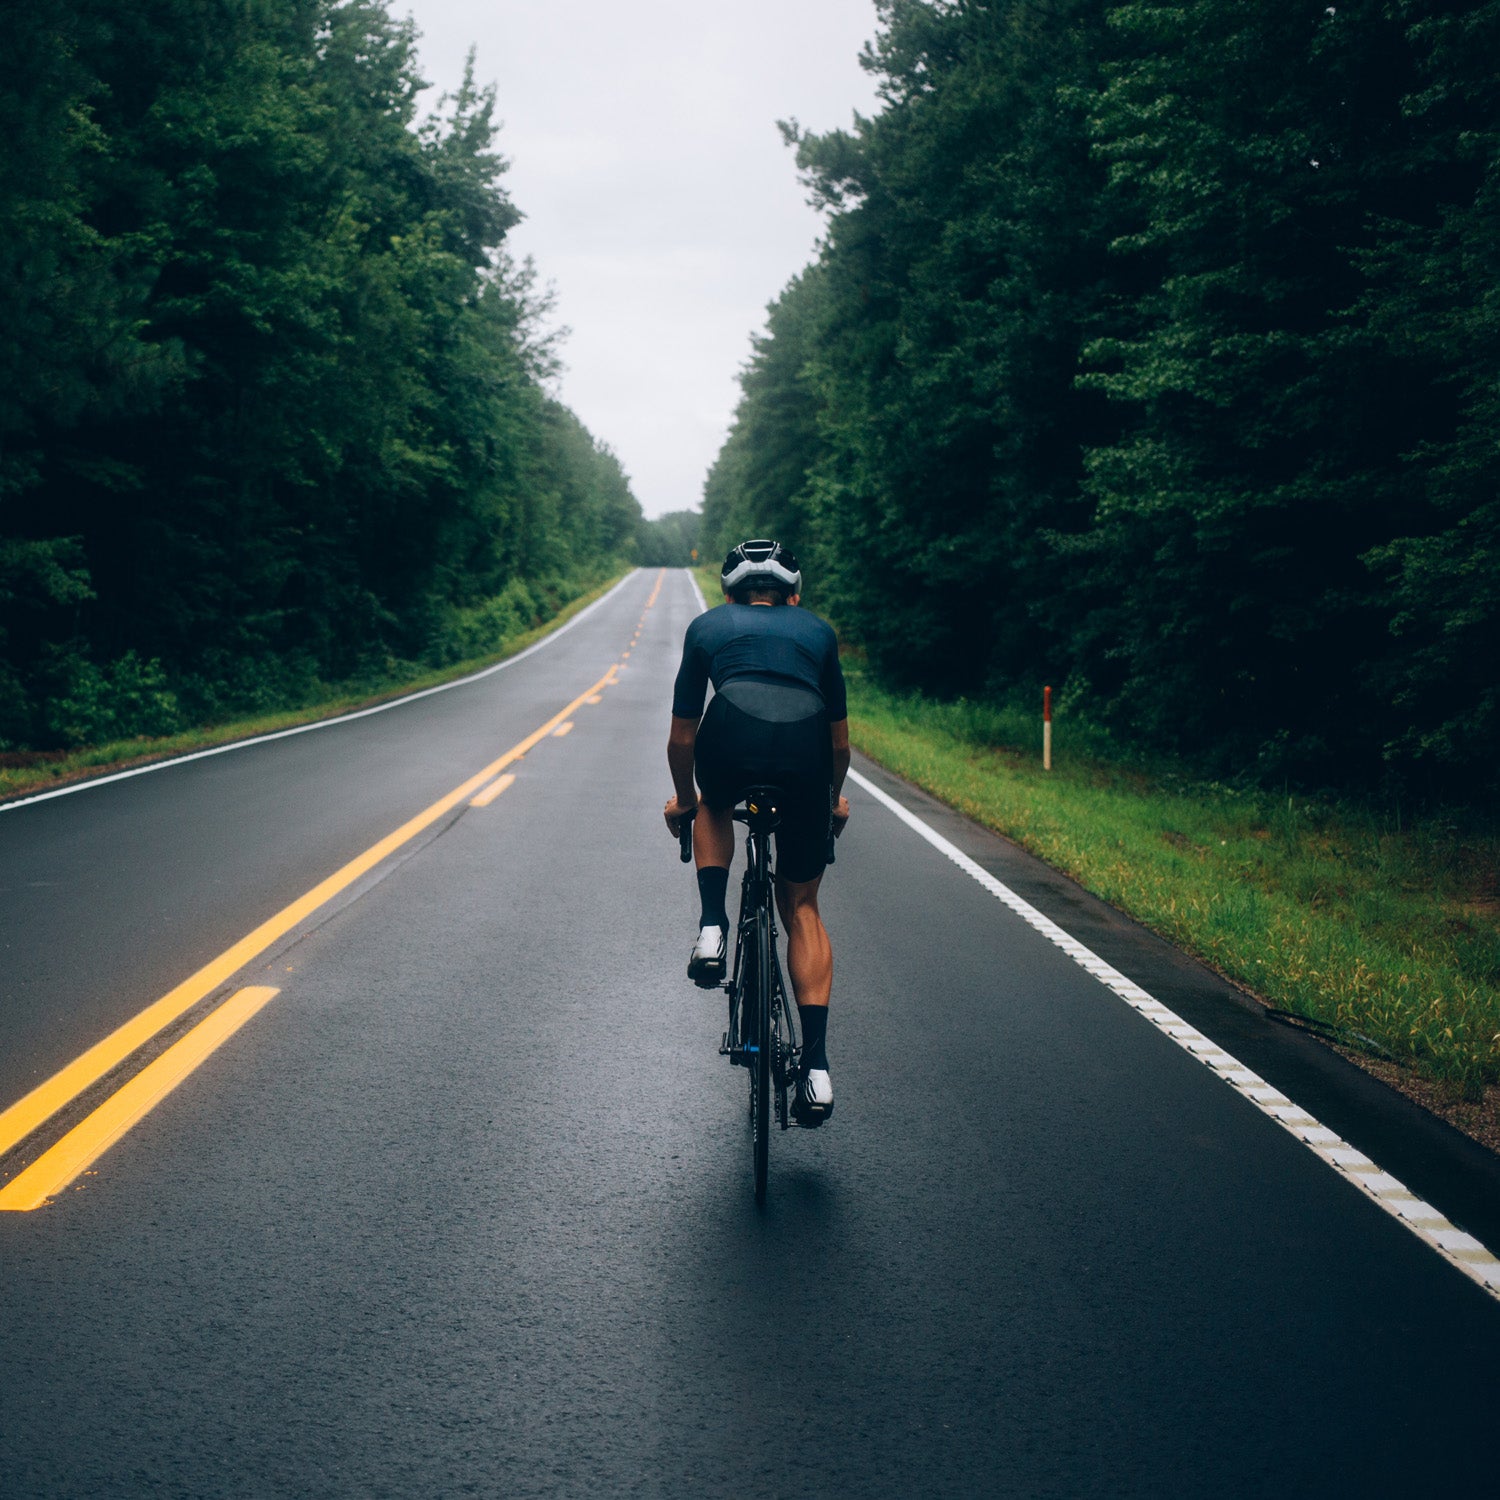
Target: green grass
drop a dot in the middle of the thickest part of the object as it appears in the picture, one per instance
(24, 773)
(1387, 938)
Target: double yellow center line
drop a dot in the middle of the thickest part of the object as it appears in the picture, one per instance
(57, 1166)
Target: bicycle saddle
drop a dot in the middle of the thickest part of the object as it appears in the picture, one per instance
(762, 805)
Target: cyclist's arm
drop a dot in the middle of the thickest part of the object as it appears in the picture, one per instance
(687, 705)
(838, 732)
(680, 742)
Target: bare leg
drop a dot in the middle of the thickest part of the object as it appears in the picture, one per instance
(713, 837)
(809, 955)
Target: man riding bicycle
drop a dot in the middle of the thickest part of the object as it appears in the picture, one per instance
(778, 717)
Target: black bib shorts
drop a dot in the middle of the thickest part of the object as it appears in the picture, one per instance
(764, 733)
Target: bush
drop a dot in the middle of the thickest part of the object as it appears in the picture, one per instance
(483, 629)
(121, 700)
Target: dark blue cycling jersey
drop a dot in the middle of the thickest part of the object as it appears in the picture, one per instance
(774, 643)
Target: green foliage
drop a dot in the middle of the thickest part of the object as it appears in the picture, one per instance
(960, 279)
(1433, 274)
(272, 396)
(759, 484)
(1265, 423)
(669, 540)
(125, 699)
(1151, 352)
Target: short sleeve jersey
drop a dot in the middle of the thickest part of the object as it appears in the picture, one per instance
(777, 643)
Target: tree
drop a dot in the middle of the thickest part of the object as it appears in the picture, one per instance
(1431, 303)
(669, 540)
(961, 275)
(1226, 604)
(286, 413)
(759, 483)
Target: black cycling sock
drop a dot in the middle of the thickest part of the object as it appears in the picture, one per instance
(713, 887)
(814, 1020)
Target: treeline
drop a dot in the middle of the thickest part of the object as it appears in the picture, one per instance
(273, 400)
(668, 541)
(1154, 351)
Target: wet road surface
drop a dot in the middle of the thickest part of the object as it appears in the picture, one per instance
(466, 1207)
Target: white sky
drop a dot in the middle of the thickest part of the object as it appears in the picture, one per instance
(659, 199)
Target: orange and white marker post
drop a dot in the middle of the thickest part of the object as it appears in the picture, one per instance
(1046, 729)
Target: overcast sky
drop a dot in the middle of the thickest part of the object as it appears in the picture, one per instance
(659, 199)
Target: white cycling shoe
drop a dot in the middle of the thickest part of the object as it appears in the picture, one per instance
(813, 1101)
(706, 963)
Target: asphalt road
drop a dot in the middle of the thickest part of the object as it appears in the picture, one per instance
(466, 1208)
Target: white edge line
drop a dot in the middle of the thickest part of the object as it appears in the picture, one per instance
(1430, 1227)
(362, 713)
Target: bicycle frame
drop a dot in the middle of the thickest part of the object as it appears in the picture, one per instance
(762, 1035)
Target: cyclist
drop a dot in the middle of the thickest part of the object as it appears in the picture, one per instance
(778, 716)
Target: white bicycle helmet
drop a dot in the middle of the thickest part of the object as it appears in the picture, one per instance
(762, 564)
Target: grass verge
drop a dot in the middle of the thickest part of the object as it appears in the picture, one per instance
(28, 772)
(1386, 940)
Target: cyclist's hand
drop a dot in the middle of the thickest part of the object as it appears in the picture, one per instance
(675, 812)
(840, 816)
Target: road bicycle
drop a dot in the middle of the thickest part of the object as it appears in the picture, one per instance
(762, 1037)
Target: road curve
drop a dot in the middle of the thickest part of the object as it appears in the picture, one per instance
(465, 1207)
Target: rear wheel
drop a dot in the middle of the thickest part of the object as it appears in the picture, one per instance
(744, 1012)
(760, 1095)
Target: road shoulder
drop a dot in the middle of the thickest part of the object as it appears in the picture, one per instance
(1439, 1163)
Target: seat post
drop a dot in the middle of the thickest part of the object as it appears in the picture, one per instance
(761, 816)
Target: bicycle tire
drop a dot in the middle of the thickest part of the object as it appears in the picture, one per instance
(745, 1002)
(761, 1108)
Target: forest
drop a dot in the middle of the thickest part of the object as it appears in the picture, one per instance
(275, 404)
(1152, 351)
